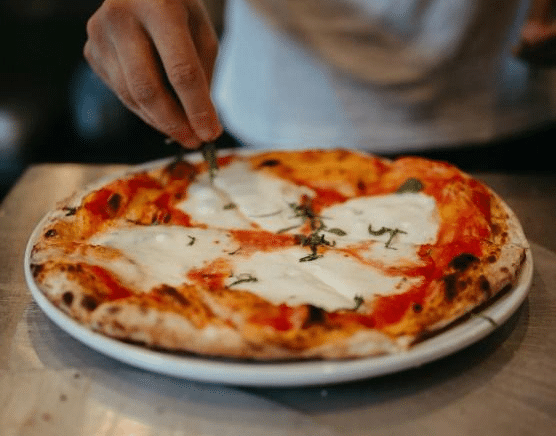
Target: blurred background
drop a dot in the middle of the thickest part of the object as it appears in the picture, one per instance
(53, 109)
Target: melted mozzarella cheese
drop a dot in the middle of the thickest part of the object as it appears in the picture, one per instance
(163, 254)
(331, 282)
(261, 197)
(210, 206)
(414, 214)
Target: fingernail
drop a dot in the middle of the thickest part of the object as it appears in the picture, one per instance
(209, 135)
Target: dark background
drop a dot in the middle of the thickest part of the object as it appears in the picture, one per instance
(45, 87)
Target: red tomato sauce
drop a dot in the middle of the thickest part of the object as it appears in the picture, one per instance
(326, 198)
(335, 318)
(117, 291)
(98, 205)
(211, 276)
(168, 214)
(141, 181)
(277, 317)
(261, 240)
(108, 202)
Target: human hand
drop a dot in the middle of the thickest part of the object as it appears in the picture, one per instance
(157, 56)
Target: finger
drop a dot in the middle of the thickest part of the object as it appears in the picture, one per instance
(185, 71)
(205, 39)
(101, 57)
(146, 85)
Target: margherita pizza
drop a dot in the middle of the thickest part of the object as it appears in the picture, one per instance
(282, 255)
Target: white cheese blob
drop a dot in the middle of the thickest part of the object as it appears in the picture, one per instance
(206, 205)
(414, 215)
(261, 197)
(163, 254)
(331, 282)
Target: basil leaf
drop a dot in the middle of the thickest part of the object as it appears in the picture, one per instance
(410, 185)
(209, 154)
(337, 231)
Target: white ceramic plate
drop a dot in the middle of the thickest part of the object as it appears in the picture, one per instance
(287, 374)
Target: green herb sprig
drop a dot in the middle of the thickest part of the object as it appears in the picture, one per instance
(359, 300)
(410, 185)
(382, 231)
(243, 278)
(316, 238)
(208, 149)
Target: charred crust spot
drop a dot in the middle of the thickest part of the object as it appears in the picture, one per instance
(73, 268)
(492, 258)
(450, 288)
(89, 303)
(417, 308)
(118, 325)
(181, 170)
(256, 347)
(361, 185)
(50, 233)
(114, 201)
(495, 229)
(173, 292)
(410, 185)
(315, 315)
(70, 211)
(67, 297)
(343, 154)
(462, 261)
(484, 285)
(36, 269)
(270, 163)
(113, 310)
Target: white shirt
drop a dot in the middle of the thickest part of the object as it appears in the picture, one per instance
(430, 87)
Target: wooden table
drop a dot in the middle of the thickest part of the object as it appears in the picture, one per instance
(50, 384)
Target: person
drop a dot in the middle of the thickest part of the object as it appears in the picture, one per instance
(384, 76)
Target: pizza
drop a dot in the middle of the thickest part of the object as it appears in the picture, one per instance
(279, 255)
